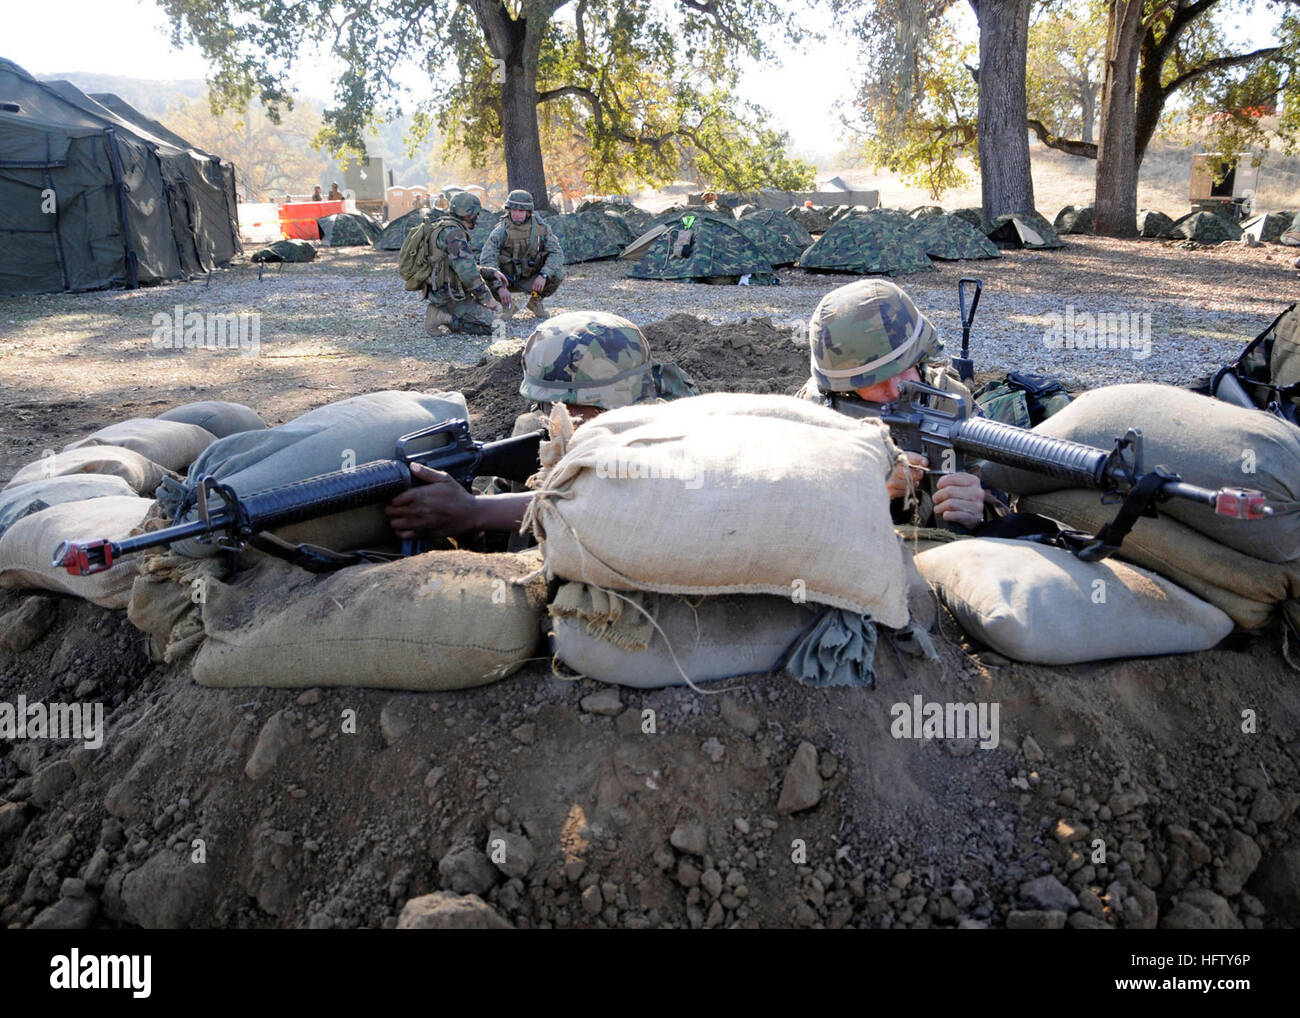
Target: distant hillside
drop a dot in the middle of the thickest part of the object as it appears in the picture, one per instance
(151, 97)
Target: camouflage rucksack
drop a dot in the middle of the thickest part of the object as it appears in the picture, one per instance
(413, 263)
(1022, 399)
(1268, 370)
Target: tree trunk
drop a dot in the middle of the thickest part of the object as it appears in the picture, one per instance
(1115, 213)
(1088, 101)
(514, 44)
(1006, 185)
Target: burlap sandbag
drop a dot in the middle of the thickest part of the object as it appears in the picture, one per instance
(173, 445)
(349, 432)
(1248, 589)
(441, 620)
(1206, 441)
(701, 638)
(141, 473)
(217, 417)
(1039, 604)
(28, 546)
(726, 494)
(165, 600)
(24, 499)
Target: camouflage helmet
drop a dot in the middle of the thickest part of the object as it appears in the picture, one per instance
(865, 333)
(520, 199)
(587, 358)
(465, 205)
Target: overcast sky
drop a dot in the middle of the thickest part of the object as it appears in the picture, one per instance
(129, 37)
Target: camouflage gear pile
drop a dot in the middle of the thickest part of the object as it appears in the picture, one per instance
(812, 220)
(588, 358)
(348, 229)
(700, 245)
(592, 235)
(1073, 219)
(1022, 400)
(519, 199)
(285, 251)
(950, 238)
(867, 244)
(1204, 228)
(1153, 224)
(866, 333)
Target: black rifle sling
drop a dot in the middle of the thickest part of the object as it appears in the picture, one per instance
(312, 557)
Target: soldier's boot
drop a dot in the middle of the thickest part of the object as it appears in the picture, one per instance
(435, 317)
(536, 306)
(470, 327)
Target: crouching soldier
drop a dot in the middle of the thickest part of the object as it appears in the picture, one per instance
(459, 295)
(527, 252)
(867, 339)
(588, 360)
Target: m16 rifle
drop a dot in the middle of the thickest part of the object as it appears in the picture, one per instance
(236, 520)
(948, 437)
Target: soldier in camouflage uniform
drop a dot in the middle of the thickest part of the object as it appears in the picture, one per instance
(867, 339)
(527, 252)
(459, 296)
(588, 360)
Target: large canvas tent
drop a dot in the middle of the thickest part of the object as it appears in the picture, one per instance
(90, 199)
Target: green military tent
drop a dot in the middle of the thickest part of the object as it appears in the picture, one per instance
(811, 219)
(866, 245)
(637, 218)
(285, 251)
(394, 234)
(348, 229)
(1204, 228)
(950, 238)
(699, 245)
(927, 210)
(776, 235)
(1073, 219)
(90, 199)
(1032, 231)
(1153, 223)
(1268, 227)
(592, 235)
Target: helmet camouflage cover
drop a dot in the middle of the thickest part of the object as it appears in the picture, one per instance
(519, 199)
(865, 333)
(588, 358)
(465, 205)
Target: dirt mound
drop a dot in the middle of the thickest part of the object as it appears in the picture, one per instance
(1126, 793)
(749, 356)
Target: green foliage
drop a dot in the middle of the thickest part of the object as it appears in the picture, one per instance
(643, 88)
(1064, 66)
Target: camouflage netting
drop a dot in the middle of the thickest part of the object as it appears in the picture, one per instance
(867, 245)
(1153, 223)
(1269, 227)
(348, 229)
(812, 220)
(285, 251)
(950, 238)
(780, 239)
(592, 235)
(397, 229)
(1032, 231)
(1204, 228)
(702, 245)
(1073, 219)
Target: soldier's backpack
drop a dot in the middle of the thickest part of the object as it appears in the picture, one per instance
(1267, 374)
(413, 263)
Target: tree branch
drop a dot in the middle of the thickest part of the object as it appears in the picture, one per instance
(710, 9)
(1220, 64)
(1087, 149)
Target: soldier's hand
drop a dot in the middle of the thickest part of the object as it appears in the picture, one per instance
(959, 498)
(504, 296)
(897, 483)
(539, 284)
(436, 506)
